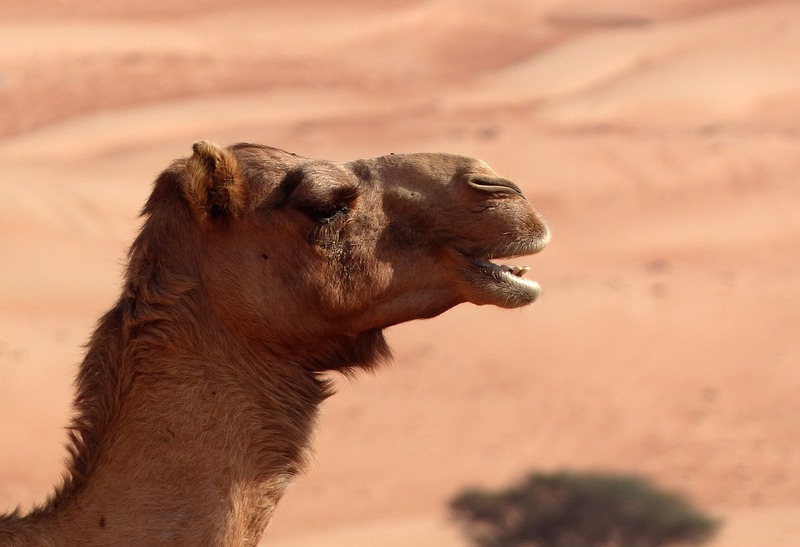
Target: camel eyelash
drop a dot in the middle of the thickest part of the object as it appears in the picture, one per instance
(347, 195)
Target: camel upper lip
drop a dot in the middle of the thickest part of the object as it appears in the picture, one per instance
(511, 251)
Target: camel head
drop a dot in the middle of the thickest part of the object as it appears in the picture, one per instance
(287, 248)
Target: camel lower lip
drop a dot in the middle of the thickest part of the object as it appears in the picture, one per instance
(509, 275)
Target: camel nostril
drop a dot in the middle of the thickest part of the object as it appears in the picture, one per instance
(493, 185)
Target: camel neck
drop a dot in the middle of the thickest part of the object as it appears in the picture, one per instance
(185, 449)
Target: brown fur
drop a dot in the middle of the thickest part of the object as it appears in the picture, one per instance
(254, 271)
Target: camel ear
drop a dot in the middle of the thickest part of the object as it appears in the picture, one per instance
(214, 183)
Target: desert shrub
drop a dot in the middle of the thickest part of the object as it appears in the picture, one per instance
(580, 510)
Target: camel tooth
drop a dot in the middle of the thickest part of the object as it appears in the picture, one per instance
(519, 271)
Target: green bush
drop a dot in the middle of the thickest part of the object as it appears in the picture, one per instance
(580, 510)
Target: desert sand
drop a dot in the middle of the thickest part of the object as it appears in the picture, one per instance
(660, 138)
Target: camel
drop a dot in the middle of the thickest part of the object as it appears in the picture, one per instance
(256, 271)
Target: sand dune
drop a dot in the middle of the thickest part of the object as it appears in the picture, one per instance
(659, 138)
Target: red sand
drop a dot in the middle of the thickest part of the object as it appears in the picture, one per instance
(661, 139)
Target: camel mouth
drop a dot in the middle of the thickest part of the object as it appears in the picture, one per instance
(513, 276)
(501, 284)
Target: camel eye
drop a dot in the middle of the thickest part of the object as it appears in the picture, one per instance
(334, 205)
(327, 214)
